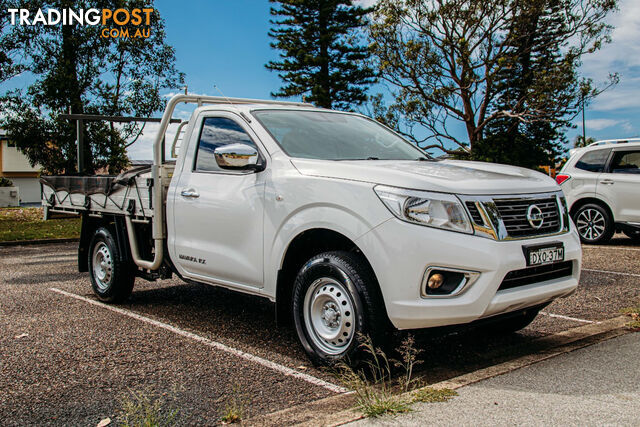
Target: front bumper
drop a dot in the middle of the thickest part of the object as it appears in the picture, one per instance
(399, 253)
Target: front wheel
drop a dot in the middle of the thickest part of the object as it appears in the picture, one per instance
(334, 304)
(514, 323)
(112, 280)
(594, 224)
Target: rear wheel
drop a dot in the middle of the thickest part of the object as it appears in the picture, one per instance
(594, 224)
(334, 304)
(112, 280)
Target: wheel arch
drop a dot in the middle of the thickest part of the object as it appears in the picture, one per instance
(301, 248)
(115, 224)
(587, 200)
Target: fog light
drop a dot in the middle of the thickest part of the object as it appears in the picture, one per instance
(444, 282)
(435, 281)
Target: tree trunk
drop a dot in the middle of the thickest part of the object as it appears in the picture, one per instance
(74, 92)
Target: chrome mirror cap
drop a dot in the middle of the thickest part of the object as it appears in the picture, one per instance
(238, 156)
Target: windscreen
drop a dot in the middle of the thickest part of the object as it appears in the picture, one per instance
(335, 136)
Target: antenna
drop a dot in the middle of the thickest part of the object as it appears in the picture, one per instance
(232, 104)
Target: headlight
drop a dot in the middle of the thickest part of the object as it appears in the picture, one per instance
(438, 210)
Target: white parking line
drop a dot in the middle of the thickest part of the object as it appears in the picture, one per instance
(218, 346)
(559, 316)
(610, 247)
(611, 272)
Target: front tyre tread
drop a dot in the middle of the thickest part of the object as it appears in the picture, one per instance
(122, 273)
(355, 276)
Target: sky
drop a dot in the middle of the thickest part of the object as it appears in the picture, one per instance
(226, 44)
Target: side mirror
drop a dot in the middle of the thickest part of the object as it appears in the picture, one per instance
(238, 157)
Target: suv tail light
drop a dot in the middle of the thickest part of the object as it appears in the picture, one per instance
(560, 178)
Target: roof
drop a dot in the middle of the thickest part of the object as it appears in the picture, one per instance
(606, 144)
(615, 141)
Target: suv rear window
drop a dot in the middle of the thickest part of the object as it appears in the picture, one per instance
(593, 161)
(626, 162)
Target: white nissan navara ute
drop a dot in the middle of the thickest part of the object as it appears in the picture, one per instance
(346, 226)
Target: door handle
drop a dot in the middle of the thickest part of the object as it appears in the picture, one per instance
(191, 193)
(607, 182)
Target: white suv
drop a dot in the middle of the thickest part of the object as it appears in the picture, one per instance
(602, 186)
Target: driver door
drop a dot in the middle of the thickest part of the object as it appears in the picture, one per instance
(218, 213)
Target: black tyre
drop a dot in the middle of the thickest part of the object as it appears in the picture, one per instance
(633, 234)
(514, 323)
(595, 225)
(335, 302)
(112, 280)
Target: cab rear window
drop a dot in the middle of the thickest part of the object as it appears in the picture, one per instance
(593, 161)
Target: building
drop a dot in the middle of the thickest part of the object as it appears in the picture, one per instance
(15, 166)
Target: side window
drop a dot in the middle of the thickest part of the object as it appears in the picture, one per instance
(217, 132)
(626, 162)
(593, 161)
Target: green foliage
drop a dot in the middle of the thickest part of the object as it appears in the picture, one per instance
(234, 407)
(10, 41)
(320, 52)
(506, 70)
(142, 409)
(373, 386)
(634, 314)
(20, 224)
(433, 395)
(408, 360)
(373, 391)
(580, 142)
(79, 71)
(5, 182)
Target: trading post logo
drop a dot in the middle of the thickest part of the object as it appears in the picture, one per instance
(118, 23)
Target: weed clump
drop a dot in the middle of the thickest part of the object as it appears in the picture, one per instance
(143, 409)
(376, 391)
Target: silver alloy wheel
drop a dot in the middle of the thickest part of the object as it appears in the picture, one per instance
(591, 224)
(102, 262)
(329, 316)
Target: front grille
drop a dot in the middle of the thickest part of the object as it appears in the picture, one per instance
(541, 273)
(514, 215)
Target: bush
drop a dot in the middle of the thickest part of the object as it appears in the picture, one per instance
(5, 182)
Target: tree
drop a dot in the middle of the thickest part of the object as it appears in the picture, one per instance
(79, 71)
(522, 85)
(10, 42)
(492, 66)
(580, 142)
(320, 54)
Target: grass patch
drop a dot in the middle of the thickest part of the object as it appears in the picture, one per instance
(234, 407)
(433, 395)
(377, 392)
(143, 409)
(373, 387)
(634, 313)
(21, 224)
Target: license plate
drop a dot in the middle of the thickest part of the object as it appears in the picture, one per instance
(544, 254)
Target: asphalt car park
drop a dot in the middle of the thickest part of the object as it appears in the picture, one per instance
(66, 358)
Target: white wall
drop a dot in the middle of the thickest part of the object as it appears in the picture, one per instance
(29, 189)
(14, 161)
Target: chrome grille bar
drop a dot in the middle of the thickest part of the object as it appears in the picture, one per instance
(506, 217)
